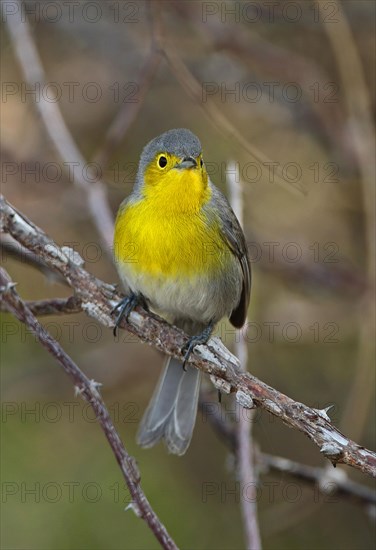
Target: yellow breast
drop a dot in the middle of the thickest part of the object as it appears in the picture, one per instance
(166, 234)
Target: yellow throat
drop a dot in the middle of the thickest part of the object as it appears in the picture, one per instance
(164, 233)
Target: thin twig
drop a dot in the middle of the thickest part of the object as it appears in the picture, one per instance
(32, 68)
(244, 448)
(98, 300)
(88, 390)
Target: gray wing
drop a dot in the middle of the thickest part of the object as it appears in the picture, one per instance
(233, 236)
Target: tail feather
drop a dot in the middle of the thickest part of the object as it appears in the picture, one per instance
(171, 414)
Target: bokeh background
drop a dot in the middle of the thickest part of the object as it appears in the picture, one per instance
(284, 78)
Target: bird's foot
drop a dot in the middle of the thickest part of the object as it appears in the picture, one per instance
(196, 340)
(126, 306)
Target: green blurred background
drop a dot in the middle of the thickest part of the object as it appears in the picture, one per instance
(62, 488)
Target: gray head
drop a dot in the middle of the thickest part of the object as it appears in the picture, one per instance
(179, 142)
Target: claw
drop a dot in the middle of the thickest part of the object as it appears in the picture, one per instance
(201, 338)
(126, 306)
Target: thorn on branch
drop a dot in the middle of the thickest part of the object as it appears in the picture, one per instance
(78, 391)
(324, 412)
(133, 506)
(6, 288)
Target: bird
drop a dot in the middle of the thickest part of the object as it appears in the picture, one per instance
(180, 252)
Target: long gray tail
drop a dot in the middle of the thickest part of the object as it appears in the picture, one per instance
(171, 413)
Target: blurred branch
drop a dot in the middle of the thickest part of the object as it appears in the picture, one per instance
(10, 248)
(345, 279)
(98, 300)
(32, 68)
(339, 485)
(195, 90)
(244, 447)
(56, 306)
(362, 132)
(333, 485)
(88, 390)
(288, 66)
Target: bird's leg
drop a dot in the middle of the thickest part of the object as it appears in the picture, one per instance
(126, 306)
(201, 338)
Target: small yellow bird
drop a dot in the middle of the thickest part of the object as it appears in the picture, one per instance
(179, 249)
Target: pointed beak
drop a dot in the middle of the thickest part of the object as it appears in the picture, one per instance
(186, 163)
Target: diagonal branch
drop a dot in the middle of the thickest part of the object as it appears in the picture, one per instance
(88, 389)
(98, 299)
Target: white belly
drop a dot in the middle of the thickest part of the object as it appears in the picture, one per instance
(197, 298)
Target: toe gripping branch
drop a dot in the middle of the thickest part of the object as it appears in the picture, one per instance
(201, 338)
(126, 306)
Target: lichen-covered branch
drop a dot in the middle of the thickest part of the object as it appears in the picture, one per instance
(98, 299)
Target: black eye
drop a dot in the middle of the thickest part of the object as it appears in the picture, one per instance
(162, 161)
